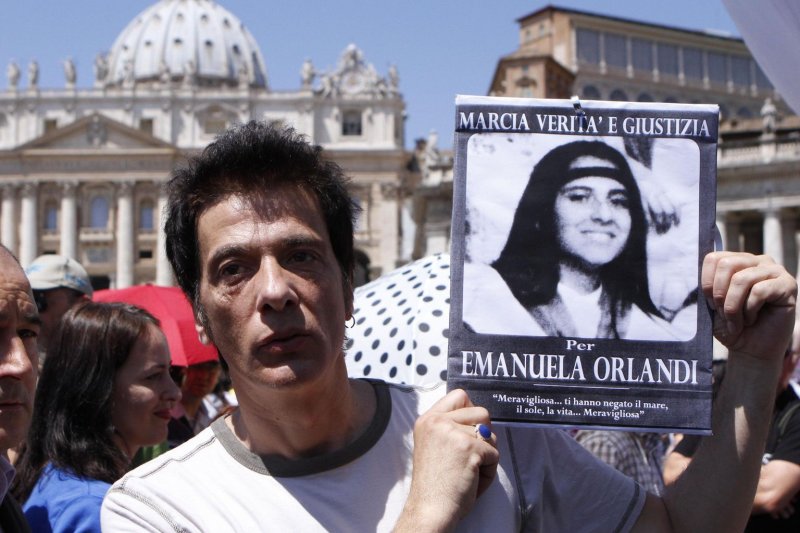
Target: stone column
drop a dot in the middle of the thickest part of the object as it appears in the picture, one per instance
(723, 229)
(773, 240)
(29, 224)
(124, 235)
(163, 269)
(388, 216)
(797, 256)
(734, 236)
(69, 220)
(9, 223)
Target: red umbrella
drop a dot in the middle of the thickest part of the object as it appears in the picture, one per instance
(173, 310)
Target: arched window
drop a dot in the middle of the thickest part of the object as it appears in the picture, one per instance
(98, 212)
(590, 92)
(618, 95)
(744, 112)
(644, 97)
(146, 211)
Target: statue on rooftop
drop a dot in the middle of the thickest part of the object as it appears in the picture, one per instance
(70, 75)
(307, 74)
(12, 72)
(33, 74)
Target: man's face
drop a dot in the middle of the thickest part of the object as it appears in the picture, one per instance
(53, 305)
(271, 290)
(19, 326)
(200, 379)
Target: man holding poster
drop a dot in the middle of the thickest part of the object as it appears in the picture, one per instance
(260, 234)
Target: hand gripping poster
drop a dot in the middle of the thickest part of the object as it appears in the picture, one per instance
(579, 229)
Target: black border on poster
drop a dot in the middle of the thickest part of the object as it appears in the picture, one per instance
(554, 396)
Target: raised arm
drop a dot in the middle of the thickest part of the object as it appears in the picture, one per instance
(451, 466)
(754, 303)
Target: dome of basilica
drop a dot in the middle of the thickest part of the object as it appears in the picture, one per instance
(196, 42)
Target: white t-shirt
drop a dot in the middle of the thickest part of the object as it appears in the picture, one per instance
(546, 482)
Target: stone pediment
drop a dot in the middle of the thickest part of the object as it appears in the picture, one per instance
(355, 76)
(95, 132)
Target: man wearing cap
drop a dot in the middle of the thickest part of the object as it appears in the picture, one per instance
(19, 325)
(58, 283)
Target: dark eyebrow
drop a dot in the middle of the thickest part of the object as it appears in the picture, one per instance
(304, 240)
(226, 251)
(32, 318)
(27, 318)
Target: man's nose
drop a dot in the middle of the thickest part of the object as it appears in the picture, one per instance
(14, 358)
(275, 289)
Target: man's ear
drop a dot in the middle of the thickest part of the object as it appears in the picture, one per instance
(201, 334)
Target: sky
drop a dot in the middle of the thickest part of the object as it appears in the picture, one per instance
(440, 48)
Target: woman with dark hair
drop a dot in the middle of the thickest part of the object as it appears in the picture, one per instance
(576, 257)
(104, 392)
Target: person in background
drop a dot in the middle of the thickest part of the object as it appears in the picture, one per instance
(19, 326)
(195, 412)
(638, 455)
(774, 506)
(58, 283)
(105, 391)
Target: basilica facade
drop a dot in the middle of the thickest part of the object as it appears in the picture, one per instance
(82, 169)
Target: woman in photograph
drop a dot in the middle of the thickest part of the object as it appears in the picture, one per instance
(576, 257)
(104, 392)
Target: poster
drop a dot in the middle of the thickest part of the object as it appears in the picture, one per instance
(578, 237)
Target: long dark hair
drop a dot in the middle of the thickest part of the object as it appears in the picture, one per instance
(71, 425)
(529, 262)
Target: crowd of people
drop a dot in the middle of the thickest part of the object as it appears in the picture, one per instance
(260, 237)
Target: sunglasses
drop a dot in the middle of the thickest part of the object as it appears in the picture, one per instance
(41, 301)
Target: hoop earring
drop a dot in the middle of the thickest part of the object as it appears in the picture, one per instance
(352, 324)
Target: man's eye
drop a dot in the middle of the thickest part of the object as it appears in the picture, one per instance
(230, 270)
(27, 334)
(301, 257)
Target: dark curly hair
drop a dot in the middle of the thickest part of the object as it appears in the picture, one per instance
(250, 161)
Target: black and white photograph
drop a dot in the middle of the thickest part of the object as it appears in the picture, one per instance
(579, 229)
(581, 237)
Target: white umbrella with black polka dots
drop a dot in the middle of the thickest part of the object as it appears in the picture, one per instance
(401, 324)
